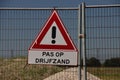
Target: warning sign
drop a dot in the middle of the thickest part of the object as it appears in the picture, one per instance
(53, 45)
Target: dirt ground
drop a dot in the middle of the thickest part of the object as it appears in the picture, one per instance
(70, 74)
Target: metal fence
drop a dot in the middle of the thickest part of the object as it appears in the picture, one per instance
(19, 27)
(103, 41)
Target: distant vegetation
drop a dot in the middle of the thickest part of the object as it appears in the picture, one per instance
(113, 62)
(109, 70)
(94, 62)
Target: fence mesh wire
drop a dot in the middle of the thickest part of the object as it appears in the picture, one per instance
(18, 28)
(103, 42)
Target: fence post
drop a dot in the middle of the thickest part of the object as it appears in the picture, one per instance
(83, 42)
(79, 31)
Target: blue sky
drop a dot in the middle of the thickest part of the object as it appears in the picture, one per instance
(52, 3)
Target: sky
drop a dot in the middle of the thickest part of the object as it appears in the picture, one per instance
(53, 3)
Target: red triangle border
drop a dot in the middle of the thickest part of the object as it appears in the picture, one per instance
(53, 18)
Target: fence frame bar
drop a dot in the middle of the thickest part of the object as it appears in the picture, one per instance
(83, 42)
(79, 44)
(62, 8)
(69, 8)
(102, 6)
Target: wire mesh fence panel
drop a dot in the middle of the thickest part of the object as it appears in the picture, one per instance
(18, 28)
(103, 42)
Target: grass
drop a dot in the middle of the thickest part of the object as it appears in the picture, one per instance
(13, 69)
(106, 73)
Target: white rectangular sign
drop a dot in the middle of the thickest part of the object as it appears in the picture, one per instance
(52, 57)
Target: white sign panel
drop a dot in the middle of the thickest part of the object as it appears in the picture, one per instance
(52, 57)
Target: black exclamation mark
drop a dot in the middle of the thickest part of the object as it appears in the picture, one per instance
(53, 34)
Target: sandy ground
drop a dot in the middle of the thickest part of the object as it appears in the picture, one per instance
(70, 74)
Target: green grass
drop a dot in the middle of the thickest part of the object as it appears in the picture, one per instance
(13, 69)
(106, 73)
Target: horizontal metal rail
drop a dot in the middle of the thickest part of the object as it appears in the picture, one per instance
(102, 6)
(70, 8)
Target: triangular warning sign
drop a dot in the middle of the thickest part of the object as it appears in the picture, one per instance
(53, 35)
